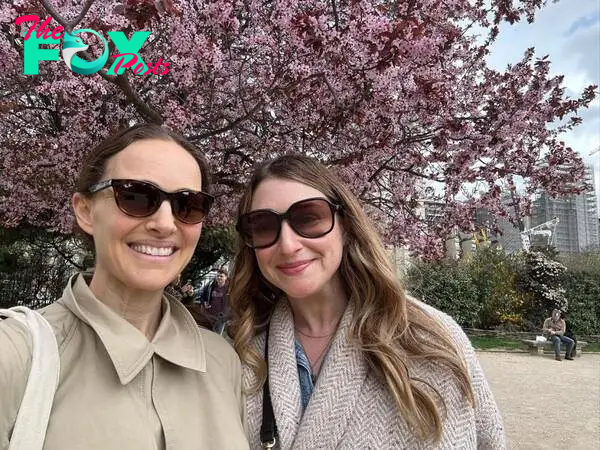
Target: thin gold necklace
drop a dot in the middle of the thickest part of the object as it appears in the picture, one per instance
(318, 361)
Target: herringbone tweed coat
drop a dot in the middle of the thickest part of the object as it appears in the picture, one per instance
(350, 409)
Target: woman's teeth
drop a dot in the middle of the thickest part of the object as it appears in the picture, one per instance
(153, 251)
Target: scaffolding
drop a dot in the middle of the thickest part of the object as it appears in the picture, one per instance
(577, 230)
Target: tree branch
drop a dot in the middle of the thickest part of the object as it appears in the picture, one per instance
(79, 18)
(144, 109)
(65, 257)
(68, 26)
(333, 93)
(336, 18)
(121, 81)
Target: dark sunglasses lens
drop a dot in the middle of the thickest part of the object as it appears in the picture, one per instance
(191, 207)
(259, 229)
(137, 199)
(311, 218)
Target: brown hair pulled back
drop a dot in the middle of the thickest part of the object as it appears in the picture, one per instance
(94, 164)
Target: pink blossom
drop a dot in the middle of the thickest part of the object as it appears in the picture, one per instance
(392, 99)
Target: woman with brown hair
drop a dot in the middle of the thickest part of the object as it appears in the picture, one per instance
(320, 319)
(135, 371)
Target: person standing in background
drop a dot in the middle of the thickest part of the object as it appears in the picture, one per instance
(187, 292)
(187, 296)
(214, 299)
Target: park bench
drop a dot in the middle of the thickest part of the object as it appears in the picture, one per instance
(537, 347)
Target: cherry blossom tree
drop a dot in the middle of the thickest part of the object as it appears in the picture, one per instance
(395, 96)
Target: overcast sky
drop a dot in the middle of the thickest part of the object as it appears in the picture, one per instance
(569, 32)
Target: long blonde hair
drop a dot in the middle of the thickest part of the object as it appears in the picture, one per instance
(387, 327)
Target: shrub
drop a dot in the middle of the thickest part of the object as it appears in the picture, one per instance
(494, 275)
(582, 286)
(512, 292)
(447, 287)
(539, 281)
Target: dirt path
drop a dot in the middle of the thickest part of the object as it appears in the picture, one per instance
(546, 404)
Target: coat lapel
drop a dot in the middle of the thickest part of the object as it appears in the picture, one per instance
(333, 401)
(283, 375)
(337, 390)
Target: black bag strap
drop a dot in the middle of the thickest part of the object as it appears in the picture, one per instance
(268, 429)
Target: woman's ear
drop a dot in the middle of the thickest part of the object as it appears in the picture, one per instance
(83, 212)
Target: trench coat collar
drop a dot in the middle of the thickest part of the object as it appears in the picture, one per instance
(177, 339)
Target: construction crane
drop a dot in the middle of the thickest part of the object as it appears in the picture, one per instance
(544, 229)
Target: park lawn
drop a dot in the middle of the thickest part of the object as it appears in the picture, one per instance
(592, 347)
(490, 342)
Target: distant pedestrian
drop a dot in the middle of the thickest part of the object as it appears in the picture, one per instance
(187, 292)
(554, 329)
(187, 296)
(215, 300)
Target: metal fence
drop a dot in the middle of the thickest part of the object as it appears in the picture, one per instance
(34, 287)
(39, 286)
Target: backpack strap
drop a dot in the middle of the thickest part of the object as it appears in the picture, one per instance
(32, 419)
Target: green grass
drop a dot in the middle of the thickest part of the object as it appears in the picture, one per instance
(489, 342)
(592, 347)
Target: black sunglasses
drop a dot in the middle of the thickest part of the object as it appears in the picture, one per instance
(309, 218)
(142, 199)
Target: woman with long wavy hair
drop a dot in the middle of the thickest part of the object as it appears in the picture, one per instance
(350, 361)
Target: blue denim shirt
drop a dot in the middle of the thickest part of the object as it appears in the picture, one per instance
(304, 375)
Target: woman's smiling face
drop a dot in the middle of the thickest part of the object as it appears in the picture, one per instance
(299, 266)
(142, 253)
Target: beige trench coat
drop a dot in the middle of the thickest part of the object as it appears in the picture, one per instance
(117, 390)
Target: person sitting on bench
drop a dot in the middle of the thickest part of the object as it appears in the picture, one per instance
(554, 329)
(569, 334)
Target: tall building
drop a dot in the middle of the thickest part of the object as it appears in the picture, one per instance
(577, 230)
(509, 236)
